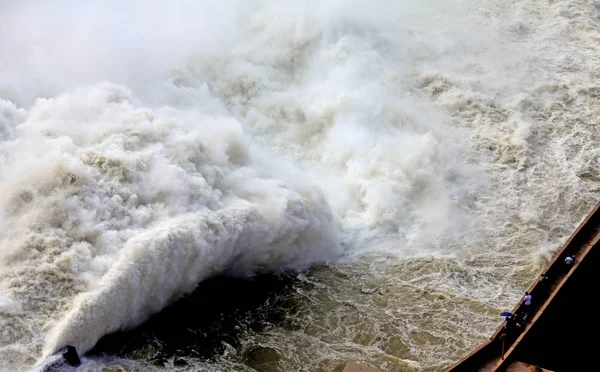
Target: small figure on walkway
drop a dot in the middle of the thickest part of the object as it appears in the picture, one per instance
(527, 299)
(544, 281)
(518, 327)
(545, 285)
(524, 318)
(517, 318)
(569, 260)
(508, 322)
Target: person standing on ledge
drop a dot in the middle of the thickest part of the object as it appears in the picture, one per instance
(527, 301)
(545, 285)
(543, 280)
(523, 318)
(569, 260)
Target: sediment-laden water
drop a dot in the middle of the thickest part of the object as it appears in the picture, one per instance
(390, 175)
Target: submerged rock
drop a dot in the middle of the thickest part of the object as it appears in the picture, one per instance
(64, 359)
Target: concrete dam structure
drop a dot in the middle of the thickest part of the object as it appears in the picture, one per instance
(559, 335)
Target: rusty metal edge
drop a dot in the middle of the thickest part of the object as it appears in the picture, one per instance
(479, 349)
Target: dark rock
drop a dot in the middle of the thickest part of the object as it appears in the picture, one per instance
(64, 359)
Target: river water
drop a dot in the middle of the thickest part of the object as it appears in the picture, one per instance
(347, 180)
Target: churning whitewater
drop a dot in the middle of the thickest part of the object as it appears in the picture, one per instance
(416, 162)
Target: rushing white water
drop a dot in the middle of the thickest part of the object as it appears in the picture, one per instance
(434, 152)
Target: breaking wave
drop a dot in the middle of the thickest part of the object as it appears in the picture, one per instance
(147, 146)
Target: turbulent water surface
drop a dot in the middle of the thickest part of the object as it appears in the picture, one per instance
(406, 168)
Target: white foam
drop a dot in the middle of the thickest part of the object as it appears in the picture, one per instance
(120, 197)
(8, 305)
(145, 146)
(144, 204)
